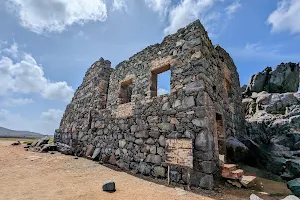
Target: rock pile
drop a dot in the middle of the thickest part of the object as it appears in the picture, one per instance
(41, 145)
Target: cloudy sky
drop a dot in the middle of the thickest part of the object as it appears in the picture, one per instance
(46, 46)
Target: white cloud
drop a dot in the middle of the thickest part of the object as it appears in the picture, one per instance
(55, 15)
(26, 76)
(52, 115)
(286, 16)
(188, 11)
(119, 5)
(160, 6)
(58, 90)
(12, 102)
(12, 51)
(231, 9)
(162, 91)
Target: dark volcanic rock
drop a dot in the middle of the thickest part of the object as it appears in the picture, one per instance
(236, 151)
(64, 149)
(109, 186)
(294, 186)
(284, 78)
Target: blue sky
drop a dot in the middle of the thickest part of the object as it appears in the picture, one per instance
(47, 46)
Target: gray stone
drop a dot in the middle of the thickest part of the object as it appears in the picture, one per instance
(154, 134)
(122, 143)
(199, 122)
(165, 127)
(152, 149)
(150, 141)
(236, 151)
(89, 151)
(204, 141)
(208, 167)
(166, 106)
(144, 168)
(160, 151)
(207, 182)
(188, 102)
(162, 141)
(96, 153)
(159, 172)
(142, 134)
(175, 176)
(139, 141)
(109, 186)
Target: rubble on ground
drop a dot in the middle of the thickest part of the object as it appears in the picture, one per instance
(16, 143)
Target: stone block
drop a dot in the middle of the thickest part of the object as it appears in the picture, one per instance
(142, 134)
(159, 172)
(208, 167)
(207, 182)
(122, 143)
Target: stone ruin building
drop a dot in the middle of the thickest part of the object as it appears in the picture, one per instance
(117, 117)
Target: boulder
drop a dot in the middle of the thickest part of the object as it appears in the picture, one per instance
(109, 186)
(42, 141)
(64, 149)
(236, 151)
(16, 143)
(294, 186)
(284, 78)
(48, 147)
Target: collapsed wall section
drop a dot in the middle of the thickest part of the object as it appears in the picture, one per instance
(132, 130)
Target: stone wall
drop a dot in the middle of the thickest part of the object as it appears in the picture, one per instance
(204, 88)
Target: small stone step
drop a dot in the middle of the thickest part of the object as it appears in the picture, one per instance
(235, 183)
(230, 167)
(227, 169)
(237, 174)
(248, 181)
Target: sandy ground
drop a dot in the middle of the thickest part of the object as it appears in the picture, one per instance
(27, 175)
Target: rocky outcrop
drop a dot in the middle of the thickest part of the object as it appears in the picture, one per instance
(284, 78)
(273, 132)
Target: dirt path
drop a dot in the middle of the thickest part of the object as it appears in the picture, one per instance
(29, 176)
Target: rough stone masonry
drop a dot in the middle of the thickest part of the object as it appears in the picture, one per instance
(117, 117)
